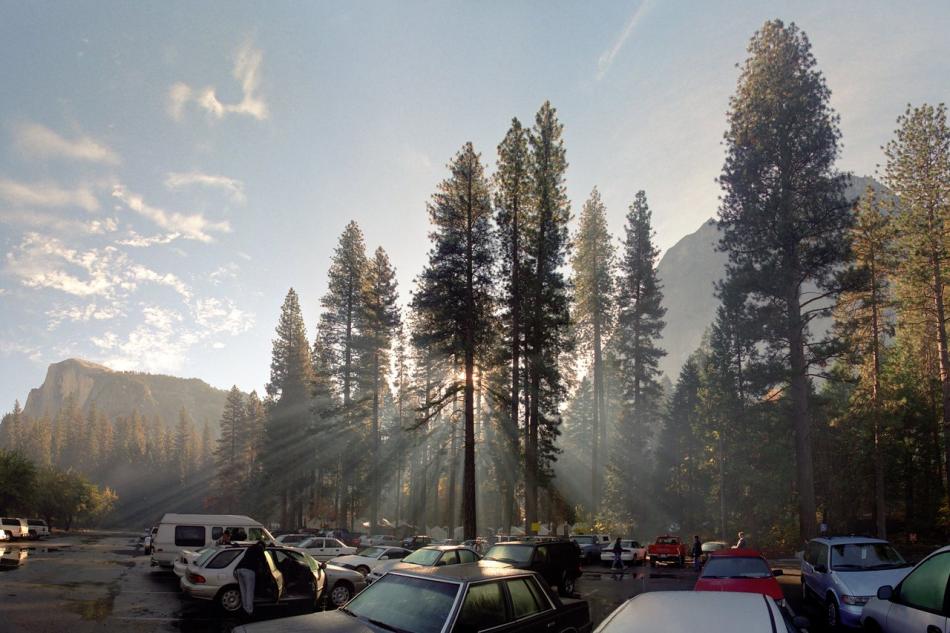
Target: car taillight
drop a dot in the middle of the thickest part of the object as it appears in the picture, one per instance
(196, 579)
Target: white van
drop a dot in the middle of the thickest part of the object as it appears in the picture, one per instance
(16, 528)
(196, 531)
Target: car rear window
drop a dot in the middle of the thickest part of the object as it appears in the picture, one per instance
(667, 541)
(223, 559)
(735, 567)
(510, 553)
(189, 535)
(36, 522)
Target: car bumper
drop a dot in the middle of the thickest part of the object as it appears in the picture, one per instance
(850, 615)
(200, 592)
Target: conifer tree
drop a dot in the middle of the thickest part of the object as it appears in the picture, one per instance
(455, 291)
(918, 173)
(592, 264)
(184, 446)
(232, 451)
(784, 216)
(639, 325)
(546, 303)
(288, 440)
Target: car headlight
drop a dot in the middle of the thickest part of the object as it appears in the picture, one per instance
(858, 601)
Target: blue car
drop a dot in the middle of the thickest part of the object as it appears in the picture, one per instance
(841, 573)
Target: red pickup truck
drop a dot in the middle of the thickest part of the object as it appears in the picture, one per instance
(667, 549)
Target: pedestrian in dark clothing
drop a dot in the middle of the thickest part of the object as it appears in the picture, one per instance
(250, 570)
(697, 553)
(618, 556)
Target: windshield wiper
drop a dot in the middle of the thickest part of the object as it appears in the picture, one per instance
(347, 611)
(383, 625)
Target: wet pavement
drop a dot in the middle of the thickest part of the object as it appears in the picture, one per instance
(103, 582)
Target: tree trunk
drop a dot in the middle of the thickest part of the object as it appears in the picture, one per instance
(798, 391)
(944, 359)
(468, 474)
(511, 433)
(597, 423)
(375, 461)
(880, 508)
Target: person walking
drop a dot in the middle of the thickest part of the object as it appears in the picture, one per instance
(618, 556)
(697, 553)
(741, 543)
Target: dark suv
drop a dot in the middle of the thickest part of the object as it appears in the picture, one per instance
(558, 562)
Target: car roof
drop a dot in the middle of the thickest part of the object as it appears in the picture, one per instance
(736, 553)
(465, 572)
(444, 548)
(227, 520)
(711, 612)
(846, 540)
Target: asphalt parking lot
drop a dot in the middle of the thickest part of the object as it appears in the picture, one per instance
(102, 582)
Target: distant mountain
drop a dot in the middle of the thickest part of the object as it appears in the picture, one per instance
(118, 393)
(689, 271)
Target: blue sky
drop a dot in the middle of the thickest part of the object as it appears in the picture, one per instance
(168, 170)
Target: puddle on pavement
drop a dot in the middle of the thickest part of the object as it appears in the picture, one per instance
(12, 558)
(97, 609)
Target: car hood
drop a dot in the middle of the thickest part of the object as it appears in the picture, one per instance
(354, 560)
(768, 586)
(342, 572)
(325, 622)
(389, 565)
(866, 583)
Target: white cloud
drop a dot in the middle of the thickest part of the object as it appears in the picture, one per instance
(247, 65)
(157, 344)
(192, 227)
(221, 317)
(606, 58)
(82, 314)
(141, 273)
(58, 224)
(47, 194)
(181, 180)
(37, 140)
(219, 274)
(140, 241)
(8, 347)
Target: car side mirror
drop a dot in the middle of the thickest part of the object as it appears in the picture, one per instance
(885, 593)
(777, 572)
(821, 569)
(801, 622)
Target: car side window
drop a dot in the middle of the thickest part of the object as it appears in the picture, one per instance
(449, 558)
(223, 559)
(466, 556)
(524, 602)
(216, 533)
(484, 608)
(189, 535)
(926, 586)
(396, 554)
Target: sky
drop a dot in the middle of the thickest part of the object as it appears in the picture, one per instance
(168, 170)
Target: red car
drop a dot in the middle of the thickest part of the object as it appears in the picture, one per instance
(742, 570)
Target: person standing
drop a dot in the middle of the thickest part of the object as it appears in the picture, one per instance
(697, 553)
(618, 556)
(249, 570)
(741, 543)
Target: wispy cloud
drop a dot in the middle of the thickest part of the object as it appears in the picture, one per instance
(39, 141)
(81, 314)
(57, 224)
(247, 67)
(192, 227)
(46, 194)
(181, 180)
(140, 241)
(158, 343)
(606, 58)
(218, 316)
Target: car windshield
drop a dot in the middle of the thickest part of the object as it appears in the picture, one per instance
(584, 540)
(509, 553)
(733, 567)
(384, 604)
(425, 557)
(371, 552)
(865, 557)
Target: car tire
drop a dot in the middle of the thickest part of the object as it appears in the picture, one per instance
(340, 594)
(870, 626)
(832, 614)
(567, 585)
(363, 569)
(229, 599)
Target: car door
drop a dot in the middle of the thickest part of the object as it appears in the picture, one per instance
(317, 549)
(919, 604)
(541, 563)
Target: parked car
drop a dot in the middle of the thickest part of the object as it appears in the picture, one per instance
(16, 528)
(292, 539)
(740, 570)
(185, 558)
(590, 547)
(917, 603)
(4, 535)
(325, 548)
(367, 558)
(37, 528)
(842, 573)
(432, 556)
(667, 549)
(342, 584)
(709, 612)
(415, 542)
(456, 599)
(195, 531)
(297, 577)
(633, 553)
(558, 562)
(712, 546)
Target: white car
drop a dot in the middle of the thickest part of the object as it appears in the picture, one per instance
(707, 611)
(292, 539)
(325, 548)
(633, 553)
(4, 536)
(381, 539)
(430, 556)
(917, 603)
(185, 558)
(297, 577)
(367, 558)
(342, 584)
(37, 528)
(16, 528)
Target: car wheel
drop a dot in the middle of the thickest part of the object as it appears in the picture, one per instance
(566, 587)
(229, 599)
(870, 626)
(831, 613)
(340, 594)
(363, 569)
